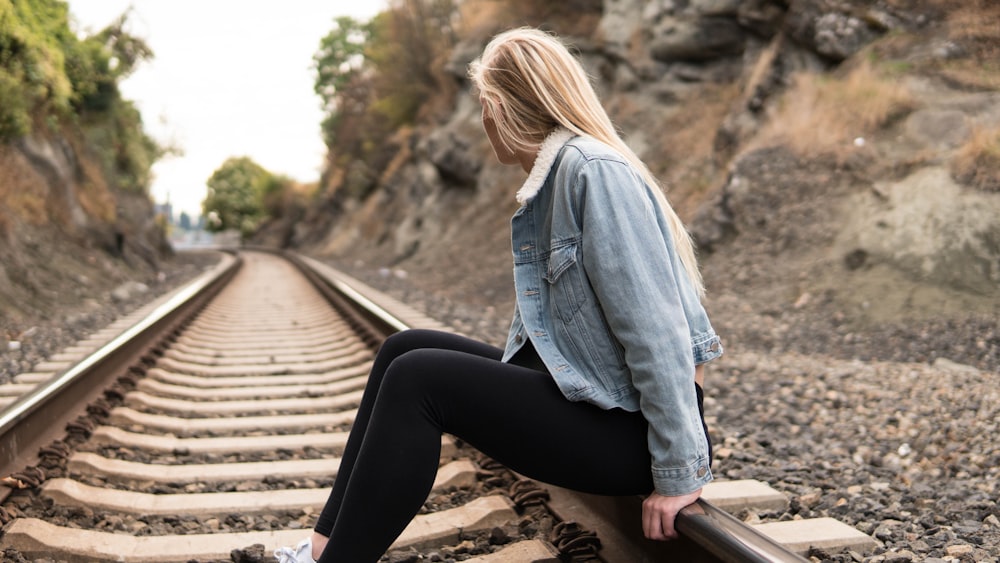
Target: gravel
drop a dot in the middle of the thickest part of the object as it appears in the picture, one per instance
(901, 444)
(25, 343)
(876, 430)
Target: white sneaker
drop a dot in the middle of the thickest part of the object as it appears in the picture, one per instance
(301, 553)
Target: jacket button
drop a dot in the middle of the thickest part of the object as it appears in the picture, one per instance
(518, 338)
(702, 471)
(714, 347)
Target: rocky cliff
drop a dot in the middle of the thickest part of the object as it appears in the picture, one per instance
(66, 235)
(835, 160)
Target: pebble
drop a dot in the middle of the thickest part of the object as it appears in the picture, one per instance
(903, 448)
(26, 342)
(958, 550)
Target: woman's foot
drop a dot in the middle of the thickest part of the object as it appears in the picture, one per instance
(301, 553)
(307, 551)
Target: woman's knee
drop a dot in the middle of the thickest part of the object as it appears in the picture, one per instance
(404, 341)
(415, 375)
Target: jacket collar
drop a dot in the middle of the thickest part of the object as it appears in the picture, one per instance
(547, 154)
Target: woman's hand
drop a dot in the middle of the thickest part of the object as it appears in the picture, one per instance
(658, 513)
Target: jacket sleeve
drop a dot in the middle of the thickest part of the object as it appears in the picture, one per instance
(628, 263)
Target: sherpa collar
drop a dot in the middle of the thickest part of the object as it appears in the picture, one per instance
(543, 163)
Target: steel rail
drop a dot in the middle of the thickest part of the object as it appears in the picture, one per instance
(40, 417)
(711, 528)
(729, 539)
(372, 321)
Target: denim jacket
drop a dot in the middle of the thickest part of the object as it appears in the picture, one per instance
(604, 299)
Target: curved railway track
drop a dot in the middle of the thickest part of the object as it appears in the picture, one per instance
(208, 428)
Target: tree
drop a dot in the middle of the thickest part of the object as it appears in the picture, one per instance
(374, 78)
(100, 62)
(405, 47)
(340, 58)
(235, 192)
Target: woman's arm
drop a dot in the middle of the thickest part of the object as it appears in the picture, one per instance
(631, 270)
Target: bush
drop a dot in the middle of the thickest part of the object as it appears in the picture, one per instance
(977, 163)
(14, 118)
(823, 114)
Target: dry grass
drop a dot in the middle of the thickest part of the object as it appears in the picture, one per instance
(19, 197)
(975, 26)
(687, 164)
(977, 162)
(92, 192)
(91, 188)
(483, 18)
(822, 115)
(401, 157)
(25, 196)
(973, 18)
(479, 17)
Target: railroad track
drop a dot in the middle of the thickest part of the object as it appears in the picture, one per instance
(208, 427)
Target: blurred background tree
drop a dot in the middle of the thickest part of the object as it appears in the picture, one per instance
(374, 79)
(235, 195)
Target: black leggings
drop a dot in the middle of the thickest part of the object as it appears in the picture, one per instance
(424, 383)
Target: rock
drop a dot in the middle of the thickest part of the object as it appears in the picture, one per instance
(945, 364)
(697, 39)
(454, 159)
(958, 550)
(929, 227)
(938, 128)
(409, 556)
(761, 17)
(251, 554)
(465, 547)
(461, 55)
(833, 33)
(621, 20)
(128, 290)
(714, 8)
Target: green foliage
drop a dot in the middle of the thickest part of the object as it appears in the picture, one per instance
(32, 35)
(277, 195)
(98, 63)
(48, 75)
(31, 61)
(375, 78)
(407, 42)
(126, 153)
(235, 195)
(14, 119)
(339, 59)
(242, 195)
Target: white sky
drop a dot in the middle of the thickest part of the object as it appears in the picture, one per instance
(229, 78)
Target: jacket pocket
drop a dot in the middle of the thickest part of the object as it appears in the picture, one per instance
(565, 277)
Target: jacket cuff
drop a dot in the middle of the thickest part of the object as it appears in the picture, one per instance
(682, 480)
(706, 347)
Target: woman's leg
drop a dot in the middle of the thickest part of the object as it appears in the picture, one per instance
(393, 347)
(516, 415)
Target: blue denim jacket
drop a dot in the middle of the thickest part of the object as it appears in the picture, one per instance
(605, 300)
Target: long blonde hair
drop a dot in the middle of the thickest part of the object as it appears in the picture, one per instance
(530, 83)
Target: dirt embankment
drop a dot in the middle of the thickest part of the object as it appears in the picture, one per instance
(67, 241)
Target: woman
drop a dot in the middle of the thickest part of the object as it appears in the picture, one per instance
(598, 387)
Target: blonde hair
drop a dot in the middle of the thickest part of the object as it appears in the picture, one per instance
(530, 83)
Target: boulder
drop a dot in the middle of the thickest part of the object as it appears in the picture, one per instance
(697, 39)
